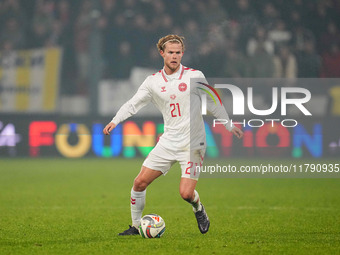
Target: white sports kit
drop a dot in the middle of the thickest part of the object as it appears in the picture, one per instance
(179, 101)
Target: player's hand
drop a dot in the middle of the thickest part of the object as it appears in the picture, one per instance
(237, 132)
(109, 127)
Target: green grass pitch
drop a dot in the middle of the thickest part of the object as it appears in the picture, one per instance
(59, 206)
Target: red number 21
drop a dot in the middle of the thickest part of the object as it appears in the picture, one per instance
(173, 109)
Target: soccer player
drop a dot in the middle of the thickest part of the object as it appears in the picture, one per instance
(183, 139)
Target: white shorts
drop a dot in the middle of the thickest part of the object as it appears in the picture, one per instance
(161, 159)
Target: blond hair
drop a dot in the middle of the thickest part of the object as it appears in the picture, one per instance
(170, 38)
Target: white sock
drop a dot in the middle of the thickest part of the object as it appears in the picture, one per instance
(137, 206)
(196, 204)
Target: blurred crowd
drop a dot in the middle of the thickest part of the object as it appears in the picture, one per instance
(224, 38)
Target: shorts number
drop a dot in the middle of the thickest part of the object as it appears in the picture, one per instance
(173, 109)
(187, 171)
(191, 164)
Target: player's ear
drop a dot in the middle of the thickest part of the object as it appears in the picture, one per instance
(161, 53)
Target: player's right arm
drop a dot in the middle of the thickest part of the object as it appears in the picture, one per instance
(131, 107)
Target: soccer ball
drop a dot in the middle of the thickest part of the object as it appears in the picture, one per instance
(151, 226)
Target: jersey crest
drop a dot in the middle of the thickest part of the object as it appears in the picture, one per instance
(182, 87)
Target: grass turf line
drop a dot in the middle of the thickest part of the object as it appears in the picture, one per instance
(65, 206)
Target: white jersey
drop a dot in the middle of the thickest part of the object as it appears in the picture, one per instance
(173, 95)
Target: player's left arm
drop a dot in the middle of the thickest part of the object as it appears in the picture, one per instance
(219, 112)
(237, 132)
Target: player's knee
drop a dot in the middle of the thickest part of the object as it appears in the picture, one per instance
(186, 195)
(139, 184)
